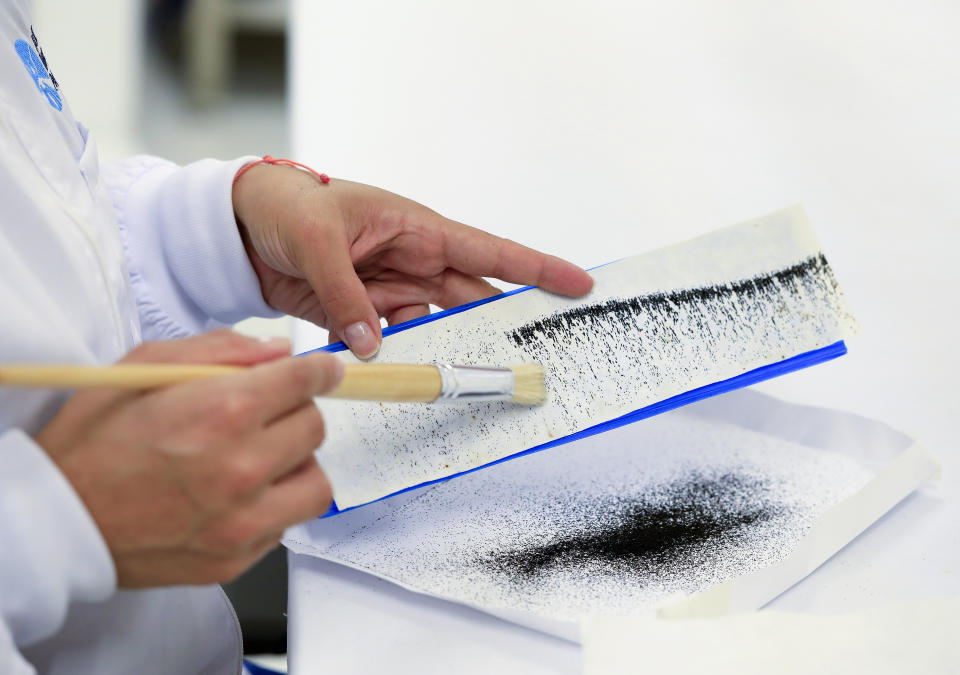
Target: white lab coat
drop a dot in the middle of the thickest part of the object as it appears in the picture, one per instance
(92, 260)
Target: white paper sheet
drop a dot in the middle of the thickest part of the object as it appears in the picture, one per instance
(654, 326)
(519, 540)
(919, 637)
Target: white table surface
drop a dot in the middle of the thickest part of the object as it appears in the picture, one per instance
(596, 129)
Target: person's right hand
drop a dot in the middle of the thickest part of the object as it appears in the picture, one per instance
(192, 483)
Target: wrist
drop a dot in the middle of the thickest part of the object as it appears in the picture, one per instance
(241, 202)
(246, 190)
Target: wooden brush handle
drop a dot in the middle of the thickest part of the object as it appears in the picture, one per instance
(363, 381)
(117, 376)
(389, 382)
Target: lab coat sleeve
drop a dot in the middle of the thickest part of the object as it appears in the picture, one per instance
(52, 552)
(187, 264)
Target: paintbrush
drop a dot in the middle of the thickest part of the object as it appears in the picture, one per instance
(365, 381)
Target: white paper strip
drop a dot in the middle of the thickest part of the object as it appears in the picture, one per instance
(920, 637)
(655, 325)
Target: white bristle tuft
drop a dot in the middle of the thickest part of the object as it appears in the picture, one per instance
(528, 384)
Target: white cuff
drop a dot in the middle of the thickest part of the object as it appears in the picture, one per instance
(186, 258)
(53, 553)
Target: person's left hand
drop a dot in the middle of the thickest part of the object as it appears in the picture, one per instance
(344, 254)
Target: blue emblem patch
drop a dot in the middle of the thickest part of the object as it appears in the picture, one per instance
(38, 71)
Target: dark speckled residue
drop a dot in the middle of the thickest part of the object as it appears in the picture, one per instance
(811, 278)
(675, 340)
(665, 531)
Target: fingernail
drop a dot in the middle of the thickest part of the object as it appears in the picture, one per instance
(274, 342)
(361, 340)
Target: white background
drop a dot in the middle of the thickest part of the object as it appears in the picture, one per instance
(96, 53)
(600, 129)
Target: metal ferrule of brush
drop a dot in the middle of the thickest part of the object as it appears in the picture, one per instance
(474, 384)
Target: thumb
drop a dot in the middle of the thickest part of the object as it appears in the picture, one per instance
(351, 315)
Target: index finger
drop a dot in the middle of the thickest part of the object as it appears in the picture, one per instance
(215, 347)
(286, 384)
(258, 395)
(482, 254)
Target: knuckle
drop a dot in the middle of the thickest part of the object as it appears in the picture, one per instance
(236, 409)
(240, 532)
(226, 482)
(301, 378)
(333, 371)
(229, 339)
(325, 372)
(341, 293)
(244, 476)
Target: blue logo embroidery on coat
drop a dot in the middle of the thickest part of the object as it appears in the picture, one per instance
(38, 71)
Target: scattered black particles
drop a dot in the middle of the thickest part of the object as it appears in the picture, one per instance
(804, 276)
(602, 358)
(676, 340)
(680, 525)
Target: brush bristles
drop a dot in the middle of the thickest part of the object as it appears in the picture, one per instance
(528, 385)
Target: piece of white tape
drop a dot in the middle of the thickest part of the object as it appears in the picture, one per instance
(919, 637)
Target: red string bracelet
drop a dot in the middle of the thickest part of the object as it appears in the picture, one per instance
(267, 159)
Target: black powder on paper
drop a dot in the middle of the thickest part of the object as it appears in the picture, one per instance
(619, 348)
(678, 526)
(674, 505)
(699, 307)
